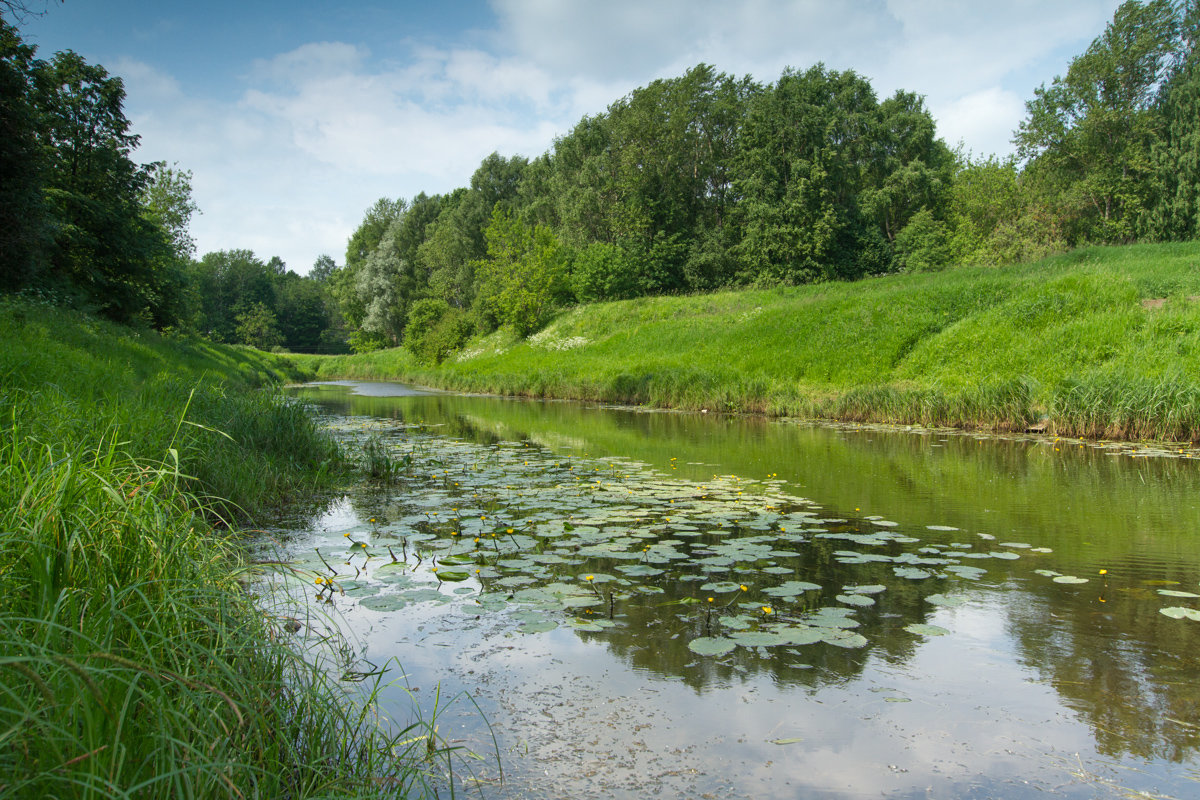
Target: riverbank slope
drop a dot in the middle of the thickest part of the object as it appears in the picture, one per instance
(1100, 342)
(132, 661)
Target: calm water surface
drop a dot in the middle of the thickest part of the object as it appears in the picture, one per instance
(925, 614)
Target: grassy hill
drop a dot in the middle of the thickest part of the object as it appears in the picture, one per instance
(133, 663)
(1099, 342)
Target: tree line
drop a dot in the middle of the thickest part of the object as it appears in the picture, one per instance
(708, 181)
(689, 184)
(82, 224)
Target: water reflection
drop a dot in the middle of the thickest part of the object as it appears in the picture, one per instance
(993, 709)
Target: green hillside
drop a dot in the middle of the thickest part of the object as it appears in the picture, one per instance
(133, 662)
(1101, 342)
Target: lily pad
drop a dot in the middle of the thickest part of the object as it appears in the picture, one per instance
(759, 639)
(1178, 612)
(791, 589)
(946, 601)
(921, 629)
(711, 646)
(847, 639)
(1068, 579)
(721, 586)
(874, 588)
(385, 602)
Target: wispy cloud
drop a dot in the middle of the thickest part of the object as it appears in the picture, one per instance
(287, 161)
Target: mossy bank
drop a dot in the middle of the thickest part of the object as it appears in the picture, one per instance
(1098, 342)
(133, 663)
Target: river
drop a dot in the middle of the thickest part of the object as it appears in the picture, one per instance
(624, 603)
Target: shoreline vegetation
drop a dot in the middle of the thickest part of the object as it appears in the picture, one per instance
(133, 661)
(1101, 342)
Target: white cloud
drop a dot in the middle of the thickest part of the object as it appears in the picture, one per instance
(983, 121)
(288, 162)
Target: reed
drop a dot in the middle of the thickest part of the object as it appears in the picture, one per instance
(134, 663)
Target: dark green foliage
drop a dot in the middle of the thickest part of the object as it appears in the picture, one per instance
(241, 300)
(435, 330)
(23, 221)
(1174, 214)
(257, 327)
(73, 223)
(923, 245)
(601, 271)
(524, 278)
(1088, 135)
(706, 181)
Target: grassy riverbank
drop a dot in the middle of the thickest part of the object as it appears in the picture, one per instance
(1101, 342)
(132, 662)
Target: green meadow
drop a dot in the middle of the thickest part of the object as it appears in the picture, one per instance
(134, 663)
(1098, 342)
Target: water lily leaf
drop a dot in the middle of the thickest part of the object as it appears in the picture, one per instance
(711, 646)
(1163, 592)
(963, 571)
(791, 589)
(356, 589)
(491, 602)
(921, 629)
(799, 634)
(639, 570)
(452, 575)
(385, 602)
(873, 588)
(941, 528)
(586, 625)
(841, 638)
(424, 596)
(580, 601)
(792, 740)
(912, 573)
(855, 600)
(759, 639)
(946, 601)
(1068, 579)
(1178, 612)
(721, 586)
(540, 626)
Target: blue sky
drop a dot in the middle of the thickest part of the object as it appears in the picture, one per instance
(295, 117)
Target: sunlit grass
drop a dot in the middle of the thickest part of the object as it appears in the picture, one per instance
(1097, 342)
(133, 661)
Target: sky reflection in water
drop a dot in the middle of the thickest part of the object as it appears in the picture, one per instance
(1031, 673)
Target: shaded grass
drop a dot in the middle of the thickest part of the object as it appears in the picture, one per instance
(1097, 342)
(133, 663)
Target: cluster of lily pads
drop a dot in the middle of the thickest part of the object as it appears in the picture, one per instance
(591, 543)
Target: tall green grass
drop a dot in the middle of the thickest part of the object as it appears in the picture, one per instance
(1097, 342)
(133, 663)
